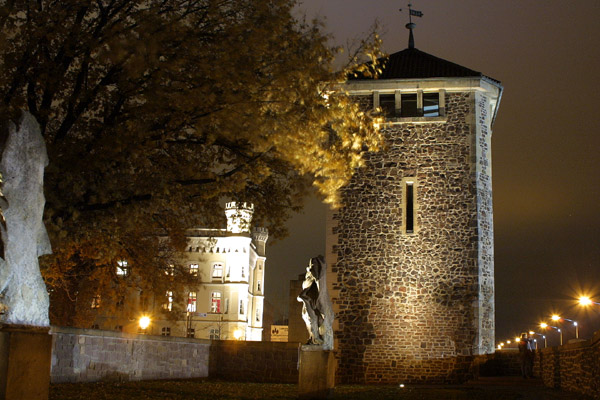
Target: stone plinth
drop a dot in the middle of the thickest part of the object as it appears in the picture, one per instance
(317, 373)
(25, 354)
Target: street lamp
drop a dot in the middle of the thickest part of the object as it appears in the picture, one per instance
(559, 318)
(544, 325)
(539, 334)
(586, 301)
(144, 322)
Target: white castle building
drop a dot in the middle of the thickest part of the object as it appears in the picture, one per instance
(227, 300)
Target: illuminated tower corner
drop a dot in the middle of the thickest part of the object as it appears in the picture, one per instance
(239, 216)
(260, 237)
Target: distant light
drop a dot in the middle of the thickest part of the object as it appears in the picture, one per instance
(555, 318)
(237, 334)
(531, 332)
(517, 339)
(575, 323)
(499, 347)
(543, 325)
(585, 301)
(508, 342)
(144, 322)
(401, 385)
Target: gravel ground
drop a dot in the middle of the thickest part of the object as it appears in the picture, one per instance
(196, 389)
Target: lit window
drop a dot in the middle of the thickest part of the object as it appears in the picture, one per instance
(217, 270)
(96, 301)
(166, 331)
(122, 268)
(169, 304)
(170, 270)
(431, 104)
(215, 334)
(215, 302)
(191, 307)
(194, 269)
(191, 332)
(242, 307)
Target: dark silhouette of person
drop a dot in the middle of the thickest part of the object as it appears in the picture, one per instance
(526, 356)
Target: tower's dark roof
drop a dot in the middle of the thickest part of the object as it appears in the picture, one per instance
(413, 63)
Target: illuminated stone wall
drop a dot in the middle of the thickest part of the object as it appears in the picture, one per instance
(416, 307)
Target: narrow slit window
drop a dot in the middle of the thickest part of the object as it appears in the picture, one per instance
(410, 207)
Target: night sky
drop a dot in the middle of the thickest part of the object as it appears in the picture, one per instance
(546, 179)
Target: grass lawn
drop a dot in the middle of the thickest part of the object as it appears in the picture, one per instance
(211, 389)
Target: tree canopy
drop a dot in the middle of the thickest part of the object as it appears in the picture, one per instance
(155, 111)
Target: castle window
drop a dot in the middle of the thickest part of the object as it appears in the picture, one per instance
(194, 269)
(96, 301)
(215, 334)
(165, 331)
(215, 302)
(226, 306)
(217, 270)
(409, 205)
(191, 332)
(387, 103)
(191, 306)
(257, 314)
(122, 268)
(431, 104)
(119, 328)
(170, 270)
(408, 105)
(169, 304)
(243, 272)
(242, 307)
(258, 285)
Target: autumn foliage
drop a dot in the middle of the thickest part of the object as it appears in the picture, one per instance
(156, 111)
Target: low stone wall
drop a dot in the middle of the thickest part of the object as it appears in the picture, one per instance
(574, 367)
(86, 355)
(274, 362)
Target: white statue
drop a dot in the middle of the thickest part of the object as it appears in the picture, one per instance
(317, 310)
(23, 159)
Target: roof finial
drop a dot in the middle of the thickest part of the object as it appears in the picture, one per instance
(410, 26)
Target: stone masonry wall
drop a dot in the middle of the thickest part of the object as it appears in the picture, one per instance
(274, 362)
(408, 305)
(86, 355)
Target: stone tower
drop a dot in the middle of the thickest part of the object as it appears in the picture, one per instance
(411, 249)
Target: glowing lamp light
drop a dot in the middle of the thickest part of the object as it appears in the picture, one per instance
(517, 339)
(499, 347)
(585, 301)
(555, 318)
(144, 322)
(508, 342)
(531, 332)
(237, 334)
(543, 325)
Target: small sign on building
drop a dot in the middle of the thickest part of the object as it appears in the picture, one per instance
(279, 333)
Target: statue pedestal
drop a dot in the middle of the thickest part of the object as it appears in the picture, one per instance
(317, 373)
(25, 356)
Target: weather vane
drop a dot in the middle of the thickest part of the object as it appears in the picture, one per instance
(411, 25)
